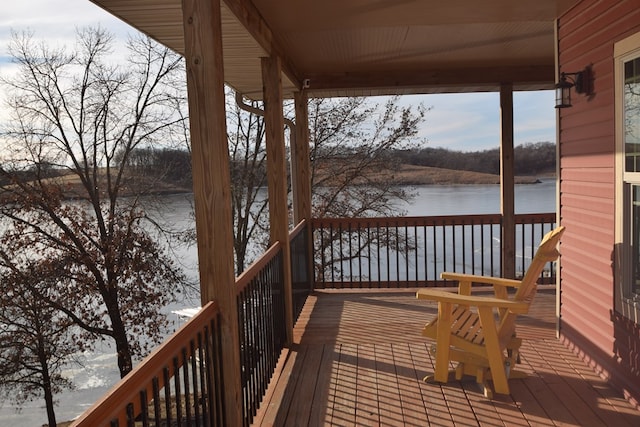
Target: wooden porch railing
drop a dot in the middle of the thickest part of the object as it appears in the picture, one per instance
(301, 266)
(187, 367)
(365, 252)
(261, 318)
(180, 383)
(413, 251)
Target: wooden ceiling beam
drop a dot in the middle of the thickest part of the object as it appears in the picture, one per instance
(249, 16)
(541, 77)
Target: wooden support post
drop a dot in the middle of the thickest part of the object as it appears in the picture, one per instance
(277, 174)
(301, 175)
(300, 161)
(507, 182)
(211, 183)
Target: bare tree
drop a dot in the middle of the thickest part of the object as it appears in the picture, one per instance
(247, 154)
(352, 162)
(353, 167)
(352, 146)
(36, 341)
(81, 218)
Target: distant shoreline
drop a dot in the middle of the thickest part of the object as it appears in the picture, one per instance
(424, 175)
(406, 175)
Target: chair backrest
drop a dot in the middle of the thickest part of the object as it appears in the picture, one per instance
(547, 252)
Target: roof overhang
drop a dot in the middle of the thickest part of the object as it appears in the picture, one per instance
(372, 47)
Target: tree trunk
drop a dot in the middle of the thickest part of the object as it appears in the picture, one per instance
(46, 384)
(125, 363)
(123, 349)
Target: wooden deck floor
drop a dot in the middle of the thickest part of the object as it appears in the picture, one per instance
(359, 360)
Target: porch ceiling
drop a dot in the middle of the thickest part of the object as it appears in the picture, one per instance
(369, 47)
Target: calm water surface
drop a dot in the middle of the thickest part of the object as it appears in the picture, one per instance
(480, 199)
(100, 371)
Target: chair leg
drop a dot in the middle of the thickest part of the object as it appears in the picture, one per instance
(442, 343)
(513, 354)
(494, 355)
(431, 378)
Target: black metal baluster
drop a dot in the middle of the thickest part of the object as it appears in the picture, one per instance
(242, 320)
(473, 247)
(144, 408)
(463, 238)
(269, 320)
(131, 417)
(219, 380)
(378, 250)
(405, 249)
(194, 379)
(167, 395)
(350, 256)
(426, 253)
(341, 253)
(251, 347)
(187, 388)
(331, 252)
(323, 264)
(388, 246)
(360, 249)
(482, 246)
(209, 366)
(499, 251)
(435, 253)
(417, 246)
(204, 389)
(369, 254)
(523, 249)
(444, 248)
(155, 387)
(178, 397)
(397, 245)
(264, 356)
(454, 247)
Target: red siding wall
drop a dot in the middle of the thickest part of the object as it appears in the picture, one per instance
(587, 34)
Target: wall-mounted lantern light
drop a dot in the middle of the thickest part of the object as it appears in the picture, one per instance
(581, 80)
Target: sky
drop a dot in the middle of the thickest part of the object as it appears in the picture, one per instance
(464, 122)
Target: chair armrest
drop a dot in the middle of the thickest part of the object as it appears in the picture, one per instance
(472, 300)
(497, 281)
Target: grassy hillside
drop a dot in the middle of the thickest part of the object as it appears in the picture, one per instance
(424, 175)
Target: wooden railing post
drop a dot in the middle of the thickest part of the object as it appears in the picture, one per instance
(277, 175)
(211, 183)
(507, 182)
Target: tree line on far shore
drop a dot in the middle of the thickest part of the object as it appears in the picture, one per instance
(173, 166)
(531, 159)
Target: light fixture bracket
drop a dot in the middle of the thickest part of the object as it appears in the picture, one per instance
(580, 80)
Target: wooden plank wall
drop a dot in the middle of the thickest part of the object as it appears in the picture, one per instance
(586, 36)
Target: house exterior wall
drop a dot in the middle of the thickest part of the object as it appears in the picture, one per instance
(588, 323)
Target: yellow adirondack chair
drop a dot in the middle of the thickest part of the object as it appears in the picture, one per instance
(478, 331)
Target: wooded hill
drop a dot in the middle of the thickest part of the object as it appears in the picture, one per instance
(531, 159)
(170, 171)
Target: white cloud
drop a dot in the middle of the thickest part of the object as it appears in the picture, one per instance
(534, 117)
(55, 22)
(471, 121)
(54, 19)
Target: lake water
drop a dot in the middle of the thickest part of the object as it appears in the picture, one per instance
(100, 369)
(480, 199)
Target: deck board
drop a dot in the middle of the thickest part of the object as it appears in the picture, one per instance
(359, 359)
